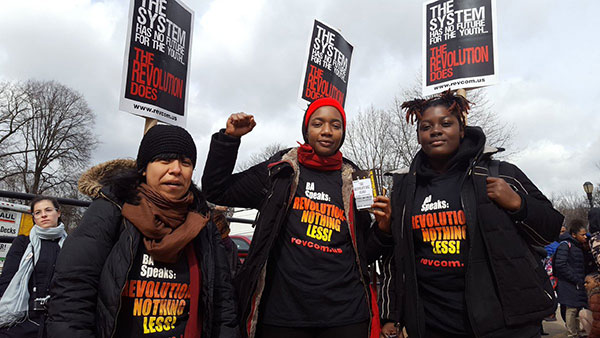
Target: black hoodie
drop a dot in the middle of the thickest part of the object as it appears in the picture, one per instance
(506, 291)
(440, 237)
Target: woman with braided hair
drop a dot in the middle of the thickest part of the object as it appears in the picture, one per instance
(463, 225)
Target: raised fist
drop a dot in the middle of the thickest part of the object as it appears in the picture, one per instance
(239, 124)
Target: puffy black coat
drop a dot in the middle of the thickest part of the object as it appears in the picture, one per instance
(569, 268)
(269, 187)
(93, 267)
(507, 290)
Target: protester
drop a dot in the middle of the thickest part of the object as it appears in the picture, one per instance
(145, 258)
(306, 271)
(569, 268)
(27, 272)
(462, 228)
(590, 318)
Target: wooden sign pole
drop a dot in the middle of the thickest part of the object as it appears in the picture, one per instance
(149, 124)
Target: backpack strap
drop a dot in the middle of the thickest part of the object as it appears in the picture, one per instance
(494, 168)
(568, 246)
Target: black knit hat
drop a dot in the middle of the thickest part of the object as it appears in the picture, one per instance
(165, 139)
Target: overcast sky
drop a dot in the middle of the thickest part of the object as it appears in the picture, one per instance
(248, 56)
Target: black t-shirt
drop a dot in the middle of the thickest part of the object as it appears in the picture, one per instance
(313, 277)
(441, 248)
(155, 301)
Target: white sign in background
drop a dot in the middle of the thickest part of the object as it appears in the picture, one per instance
(4, 247)
(10, 221)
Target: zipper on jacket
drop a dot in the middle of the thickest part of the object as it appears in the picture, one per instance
(469, 314)
(414, 268)
(255, 296)
(360, 271)
(412, 259)
(263, 205)
(473, 222)
(124, 285)
(402, 223)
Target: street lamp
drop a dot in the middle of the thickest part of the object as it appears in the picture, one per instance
(588, 187)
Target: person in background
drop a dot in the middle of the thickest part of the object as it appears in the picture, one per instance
(549, 267)
(590, 317)
(219, 216)
(569, 268)
(28, 269)
(146, 258)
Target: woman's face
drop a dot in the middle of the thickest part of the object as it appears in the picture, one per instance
(580, 236)
(325, 130)
(171, 178)
(439, 133)
(45, 214)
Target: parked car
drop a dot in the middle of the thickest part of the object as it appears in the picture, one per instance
(242, 241)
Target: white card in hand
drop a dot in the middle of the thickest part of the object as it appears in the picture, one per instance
(363, 193)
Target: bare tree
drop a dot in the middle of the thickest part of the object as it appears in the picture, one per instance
(53, 142)
(571, 205)
(13, 116)
(368, 140)
(261, 156)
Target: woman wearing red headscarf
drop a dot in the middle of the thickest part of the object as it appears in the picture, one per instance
(306, 270)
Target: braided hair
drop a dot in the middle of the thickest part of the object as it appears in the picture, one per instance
(457, 105)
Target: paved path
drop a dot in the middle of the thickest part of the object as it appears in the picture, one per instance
(555, 329)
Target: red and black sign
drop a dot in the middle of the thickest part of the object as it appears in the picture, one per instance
(328, 65)
(157, 60)
(458, 45)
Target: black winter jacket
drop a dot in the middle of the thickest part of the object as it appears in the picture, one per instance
(569, 268)
(41, 280)
(43, 269)
(507, 290)
(270, 187)
(95, 261)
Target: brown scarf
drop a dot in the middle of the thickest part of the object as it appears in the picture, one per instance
(167, 226)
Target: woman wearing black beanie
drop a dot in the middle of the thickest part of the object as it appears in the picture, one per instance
(305, 274)
(146, 259)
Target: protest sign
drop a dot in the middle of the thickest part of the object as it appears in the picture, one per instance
(459, 45)
(156, 68)
(327, 65)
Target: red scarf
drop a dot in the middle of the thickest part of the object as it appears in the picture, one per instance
(308, 158)
(193, 328)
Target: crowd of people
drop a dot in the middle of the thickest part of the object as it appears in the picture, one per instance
(470, 246)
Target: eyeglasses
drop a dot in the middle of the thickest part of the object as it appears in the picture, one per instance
(47, 211)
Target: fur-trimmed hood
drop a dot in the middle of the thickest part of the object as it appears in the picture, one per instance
(90, 182)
